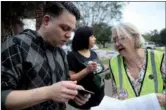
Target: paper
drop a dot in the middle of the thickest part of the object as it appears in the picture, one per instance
(146, 102)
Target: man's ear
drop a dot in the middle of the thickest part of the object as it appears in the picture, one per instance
(46, 19)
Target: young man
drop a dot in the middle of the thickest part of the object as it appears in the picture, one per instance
(34, 67)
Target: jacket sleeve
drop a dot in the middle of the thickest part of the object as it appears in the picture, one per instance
(11, 68)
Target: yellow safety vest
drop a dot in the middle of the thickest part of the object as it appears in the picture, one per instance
(152, 81)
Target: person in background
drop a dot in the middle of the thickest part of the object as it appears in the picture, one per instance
(136, 71)
(85, 66)
(34, 70)
(18, 26)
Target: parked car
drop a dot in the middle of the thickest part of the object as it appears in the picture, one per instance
(149, 45)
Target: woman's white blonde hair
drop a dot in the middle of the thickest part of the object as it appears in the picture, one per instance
(129, 30)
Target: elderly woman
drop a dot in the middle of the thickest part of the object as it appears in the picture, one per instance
(136, 71)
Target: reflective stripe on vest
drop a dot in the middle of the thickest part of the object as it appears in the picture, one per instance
(149, 85)
(154, 71)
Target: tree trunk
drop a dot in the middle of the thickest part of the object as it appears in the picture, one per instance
(103, 45)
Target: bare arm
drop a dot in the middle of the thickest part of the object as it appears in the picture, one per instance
(78, 76)
(58, 92)
(161, 98)
(21, 99)
(89, 69)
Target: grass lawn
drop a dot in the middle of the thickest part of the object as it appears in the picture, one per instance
(105, 61)
(109, 48)
(160, 49)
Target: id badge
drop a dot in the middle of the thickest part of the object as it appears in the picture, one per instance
(122, 94)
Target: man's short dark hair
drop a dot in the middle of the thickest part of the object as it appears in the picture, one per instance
(55, 8)
(81, 38)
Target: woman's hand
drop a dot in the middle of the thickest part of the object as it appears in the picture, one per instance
(91, 67)
(161, 98)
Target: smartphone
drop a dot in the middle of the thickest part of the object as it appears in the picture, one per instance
(85, 92)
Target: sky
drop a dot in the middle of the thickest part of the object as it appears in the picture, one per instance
(146, 16)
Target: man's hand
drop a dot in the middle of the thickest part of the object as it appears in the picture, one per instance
(63, 91)
(82, 99)
(161, 98)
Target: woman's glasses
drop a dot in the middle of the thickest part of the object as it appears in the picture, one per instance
(118, 40)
